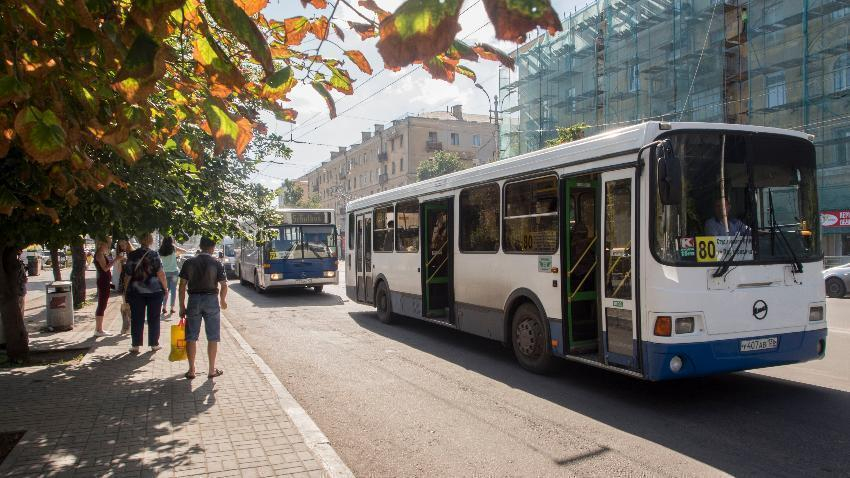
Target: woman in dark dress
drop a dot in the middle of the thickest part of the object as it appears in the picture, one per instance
(103, 265)
(145, 286)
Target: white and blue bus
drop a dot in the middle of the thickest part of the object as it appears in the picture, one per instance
(660, 250)
(299, 252)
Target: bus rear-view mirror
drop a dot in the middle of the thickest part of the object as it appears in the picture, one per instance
(669, 174)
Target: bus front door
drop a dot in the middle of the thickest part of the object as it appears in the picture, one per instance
(437, 260)
(618, 298)
(363, 258)
(581, 265)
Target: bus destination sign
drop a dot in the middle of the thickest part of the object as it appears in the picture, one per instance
(309, 217)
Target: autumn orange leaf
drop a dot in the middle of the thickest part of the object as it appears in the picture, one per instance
(252, 7)
(365, 30)
(338, 31)
(360, 60)
(418, 30)
(373, 7)
(320, 88)
(317, 4)
(512, 19)
(319, 27)
(491, 53)
(296, 29)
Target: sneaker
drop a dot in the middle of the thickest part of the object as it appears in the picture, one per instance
(134, 350)
(154, 348)
(101, 333)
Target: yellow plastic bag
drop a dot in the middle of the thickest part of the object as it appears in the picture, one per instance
(178, 342)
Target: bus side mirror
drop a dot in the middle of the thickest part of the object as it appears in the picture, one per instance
(669, 174)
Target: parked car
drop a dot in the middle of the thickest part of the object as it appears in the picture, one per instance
(837, 280)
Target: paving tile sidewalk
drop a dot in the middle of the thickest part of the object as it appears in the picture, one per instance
(118, 414)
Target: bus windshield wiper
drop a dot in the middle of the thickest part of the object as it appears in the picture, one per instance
(727, 261)
(798, 266)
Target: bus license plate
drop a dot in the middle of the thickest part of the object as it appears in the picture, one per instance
(304, 281)
(759, 344)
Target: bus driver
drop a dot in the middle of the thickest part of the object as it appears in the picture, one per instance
(714, 225)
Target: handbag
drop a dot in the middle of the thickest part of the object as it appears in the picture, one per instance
(178, 342)
(125, 307)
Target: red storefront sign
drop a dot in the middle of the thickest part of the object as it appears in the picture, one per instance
(839, 218)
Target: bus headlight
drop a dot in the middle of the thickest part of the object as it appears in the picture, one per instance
(277, 276)
(684, 325)
(816, 313)
(330, 273)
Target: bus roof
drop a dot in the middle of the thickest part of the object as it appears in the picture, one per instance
(301, 209)
(603, 145)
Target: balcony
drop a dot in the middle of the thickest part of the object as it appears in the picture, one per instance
(433, 146)
(342, 175)
(383, 178)
(382, 157)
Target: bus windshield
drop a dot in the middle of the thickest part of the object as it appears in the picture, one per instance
(302, 242)
(770, 201)
(229, 250)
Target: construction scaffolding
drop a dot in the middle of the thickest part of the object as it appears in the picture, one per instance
(782, 63)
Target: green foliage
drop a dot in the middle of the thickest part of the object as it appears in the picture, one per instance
(567, 134)
(313, 202)
(442, 162)
(291, 193)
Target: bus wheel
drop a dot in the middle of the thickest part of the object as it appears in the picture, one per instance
(530, 340)
(383, 303)
(318, 288)
(835, 288)
(257, 287)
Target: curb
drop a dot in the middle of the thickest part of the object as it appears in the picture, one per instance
(314, 439)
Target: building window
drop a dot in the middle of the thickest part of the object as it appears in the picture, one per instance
(841, 73)
(634, 78)
(841, 150)
(432, 136)
(393, 167)
(382, 235)
(401, 164)
(455, 139)
(479, 219)
(401, 141)
(476, 140)
(775, 86)
(392, 144)
(531, 216)
(840, 13)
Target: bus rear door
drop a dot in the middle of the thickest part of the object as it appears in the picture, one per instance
(363, 258)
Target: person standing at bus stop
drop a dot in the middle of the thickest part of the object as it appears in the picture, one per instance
(145, 285)
(203, 276)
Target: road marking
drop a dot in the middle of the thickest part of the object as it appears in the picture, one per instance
(839, 331)
(315, 440)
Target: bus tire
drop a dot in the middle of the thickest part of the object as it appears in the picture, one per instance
(318, 288)
(257, 287)
(835, 288)
(530, 339)
(383, 303)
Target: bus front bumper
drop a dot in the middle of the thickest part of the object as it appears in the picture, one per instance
(721, 356)
(308, 282)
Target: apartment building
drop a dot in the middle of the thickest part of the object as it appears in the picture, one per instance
(782, 63)
(388, 157)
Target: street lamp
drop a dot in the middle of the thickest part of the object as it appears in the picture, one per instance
(489, 106)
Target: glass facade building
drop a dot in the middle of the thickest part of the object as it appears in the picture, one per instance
(781, 63)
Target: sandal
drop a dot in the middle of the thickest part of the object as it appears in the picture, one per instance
(217, 373)
(189, 375)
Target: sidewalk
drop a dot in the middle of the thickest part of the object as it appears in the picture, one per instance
(117, 414)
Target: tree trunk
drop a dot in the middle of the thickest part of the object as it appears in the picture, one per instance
(17, 340)
(54, 259)
(78, 273)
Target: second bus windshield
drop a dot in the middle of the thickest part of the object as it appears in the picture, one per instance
(302, 242)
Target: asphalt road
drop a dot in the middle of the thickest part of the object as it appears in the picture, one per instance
(415, 399)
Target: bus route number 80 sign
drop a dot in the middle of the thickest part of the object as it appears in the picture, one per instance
(717, 248)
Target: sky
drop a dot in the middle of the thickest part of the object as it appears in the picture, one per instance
(378, 98)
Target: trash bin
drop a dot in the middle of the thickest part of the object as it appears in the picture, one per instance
(60, 305)
(33, 268)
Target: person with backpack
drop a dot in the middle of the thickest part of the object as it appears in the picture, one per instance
(145, 286)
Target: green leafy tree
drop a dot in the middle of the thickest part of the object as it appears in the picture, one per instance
(312, 202)
(567, 134)
(442, 162)
(291, 192)
(89, 87)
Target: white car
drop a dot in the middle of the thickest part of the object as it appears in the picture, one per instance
(837, 280)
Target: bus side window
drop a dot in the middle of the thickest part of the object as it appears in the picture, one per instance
(350, 231)
(407, 226)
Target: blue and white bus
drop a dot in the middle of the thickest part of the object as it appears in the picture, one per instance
(299, 252)
(660, 251)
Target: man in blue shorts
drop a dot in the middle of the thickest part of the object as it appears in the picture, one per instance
(202, 275)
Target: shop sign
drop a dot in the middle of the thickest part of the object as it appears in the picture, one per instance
(839, 218)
